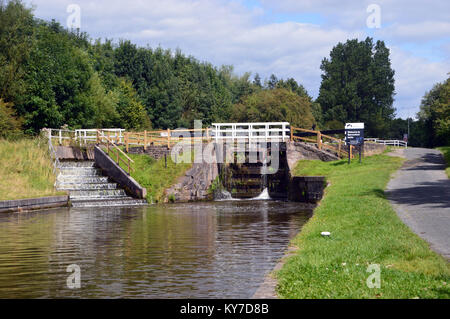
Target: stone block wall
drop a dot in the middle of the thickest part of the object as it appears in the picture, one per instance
(154, 151)
(373, 149)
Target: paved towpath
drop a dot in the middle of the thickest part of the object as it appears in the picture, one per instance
(420, 194)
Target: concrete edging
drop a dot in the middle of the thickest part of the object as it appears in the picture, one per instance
(33, 203)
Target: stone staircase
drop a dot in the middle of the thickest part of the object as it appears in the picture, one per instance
(87, 186)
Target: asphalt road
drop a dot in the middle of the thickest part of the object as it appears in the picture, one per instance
(420, 194)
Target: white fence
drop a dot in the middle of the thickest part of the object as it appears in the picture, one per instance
(85, 136)
(397, 143)
(251, 132)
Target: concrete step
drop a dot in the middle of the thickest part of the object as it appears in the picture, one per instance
(67, 179)
(98, 193)
(79, 170)
(88, 188)
(85, 186)
(82, 172)
(125, 201)
(69, 164)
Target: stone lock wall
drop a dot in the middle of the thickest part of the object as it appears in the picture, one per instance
(307, 189)
(195, 184)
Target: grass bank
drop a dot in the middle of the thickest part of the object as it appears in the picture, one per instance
(364, 230)
(154, 176)
(446, 152)
(26, 170)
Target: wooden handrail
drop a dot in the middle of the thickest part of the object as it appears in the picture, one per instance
(331, 138)
(117, 151)
(122, 152)
(318, 139)
(304, 130)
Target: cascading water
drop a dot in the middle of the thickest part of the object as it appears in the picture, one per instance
(88, 188)
(265, 193)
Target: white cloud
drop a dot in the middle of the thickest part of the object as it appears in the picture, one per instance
(416, 32)
(414, 76)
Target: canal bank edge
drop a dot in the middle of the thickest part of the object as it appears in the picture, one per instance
(28, 204)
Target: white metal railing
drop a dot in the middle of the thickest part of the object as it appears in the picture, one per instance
(52, 151)
(251, 132)
(85, 136)
(397, 143)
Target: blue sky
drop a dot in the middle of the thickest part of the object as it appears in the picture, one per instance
(286, 37)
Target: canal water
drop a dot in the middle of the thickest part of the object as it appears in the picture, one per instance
(219, 249)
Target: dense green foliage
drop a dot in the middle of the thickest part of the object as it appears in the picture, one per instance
(358, 85)
(434, 116)
(364, 230)
(10, 125)
(446, 152)
(274, 105)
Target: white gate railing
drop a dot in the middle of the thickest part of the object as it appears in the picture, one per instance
(397, 143)
(251, 132)
(85, 136)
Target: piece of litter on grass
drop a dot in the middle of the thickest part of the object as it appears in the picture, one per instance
(325, 233)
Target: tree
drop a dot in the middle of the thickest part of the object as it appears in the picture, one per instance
(272, 82)
(434, 115)
(257, 80)
(104, 103)
(277, 105)
(292, 85)
(131, 111)
(358, 85)
(56, 80)
(10, 125)
(16, 40)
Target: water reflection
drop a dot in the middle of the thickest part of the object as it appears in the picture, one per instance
(201, 250)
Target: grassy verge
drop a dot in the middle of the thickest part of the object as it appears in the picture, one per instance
(364, 230)
(446, 152)
(154, 176)
(26, 170)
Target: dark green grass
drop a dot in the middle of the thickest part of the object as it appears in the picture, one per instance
(446, 152)
(154, 176)
(364, 230)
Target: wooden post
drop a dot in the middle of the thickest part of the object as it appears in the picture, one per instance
(339, 149)
(145, 141)
(126, 146)
(292, 134)
(168, 138)
(351, 154)
(319, 140)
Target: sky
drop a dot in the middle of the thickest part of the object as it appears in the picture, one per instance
(288, 38)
